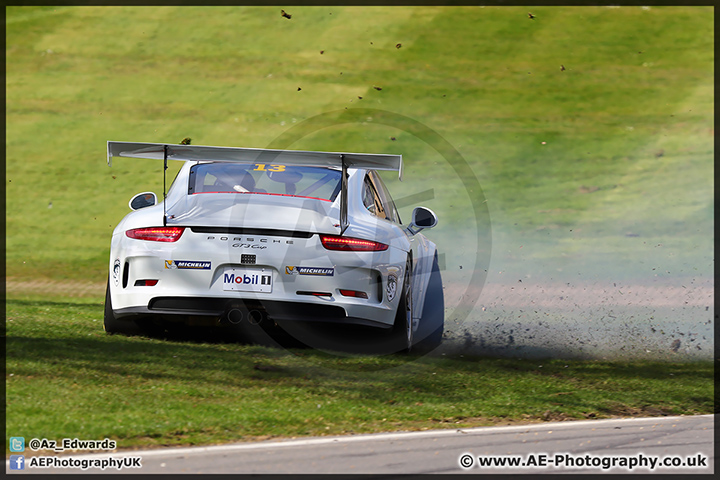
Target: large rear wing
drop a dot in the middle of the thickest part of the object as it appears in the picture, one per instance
(199, 153)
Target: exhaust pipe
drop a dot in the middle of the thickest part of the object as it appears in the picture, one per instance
(235, 316)
(255, 317)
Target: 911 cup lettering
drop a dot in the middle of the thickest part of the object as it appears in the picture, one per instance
(249, 245)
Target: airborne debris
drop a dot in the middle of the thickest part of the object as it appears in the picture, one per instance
(299, 89)
(266, 368)
(186, 141)
(377, 88)
(531, 16)
(322, 51)
(285, 14)
(398, 45)
(562, 68)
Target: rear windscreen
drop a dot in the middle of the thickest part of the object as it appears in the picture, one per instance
(259, 178)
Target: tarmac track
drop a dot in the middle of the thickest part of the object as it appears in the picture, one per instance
(567, 447)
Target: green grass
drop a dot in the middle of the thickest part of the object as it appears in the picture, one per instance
(628, 126)
(601, 171)
(66, 378)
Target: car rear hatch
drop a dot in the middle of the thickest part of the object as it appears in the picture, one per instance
(255, 211)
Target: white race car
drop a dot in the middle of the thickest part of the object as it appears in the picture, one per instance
(274, 239)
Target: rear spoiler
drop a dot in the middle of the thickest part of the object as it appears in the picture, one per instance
(199, 153)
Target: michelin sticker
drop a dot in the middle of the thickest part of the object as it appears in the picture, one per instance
(187, 265)
(319, 271)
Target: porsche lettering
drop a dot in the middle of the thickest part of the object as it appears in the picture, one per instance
(251, 239)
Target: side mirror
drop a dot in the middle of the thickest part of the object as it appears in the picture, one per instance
(422, 218)
(142, 200)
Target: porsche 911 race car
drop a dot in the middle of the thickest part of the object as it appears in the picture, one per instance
(253, 237)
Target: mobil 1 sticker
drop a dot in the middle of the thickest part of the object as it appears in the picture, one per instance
(247, 279)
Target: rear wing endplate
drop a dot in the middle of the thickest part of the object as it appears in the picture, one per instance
(202, 153)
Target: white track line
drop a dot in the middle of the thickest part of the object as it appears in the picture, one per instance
(274, 444)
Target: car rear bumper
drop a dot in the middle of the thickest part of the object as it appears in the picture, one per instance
(230, 310)
(284, 275)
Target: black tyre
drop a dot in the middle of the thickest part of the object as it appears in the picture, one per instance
(432, 323)
(111, 324)
(402, 329)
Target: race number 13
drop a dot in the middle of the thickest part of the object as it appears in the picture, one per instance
(263, 167)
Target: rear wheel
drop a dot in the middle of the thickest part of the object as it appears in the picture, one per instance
(111, 324)
(432, 322)
(402, 329)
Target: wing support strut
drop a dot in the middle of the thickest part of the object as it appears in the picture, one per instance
(343, 196)
(165, 155)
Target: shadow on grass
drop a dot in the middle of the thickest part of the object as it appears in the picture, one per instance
(225, 363)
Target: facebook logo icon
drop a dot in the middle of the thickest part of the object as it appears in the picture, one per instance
(17, 462)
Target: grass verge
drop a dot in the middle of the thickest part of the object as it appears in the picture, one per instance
(66, 378)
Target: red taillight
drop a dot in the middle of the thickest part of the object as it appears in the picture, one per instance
(333, 242)
(145, 283)
(315, 294)
(353, 293)
(156, 234)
